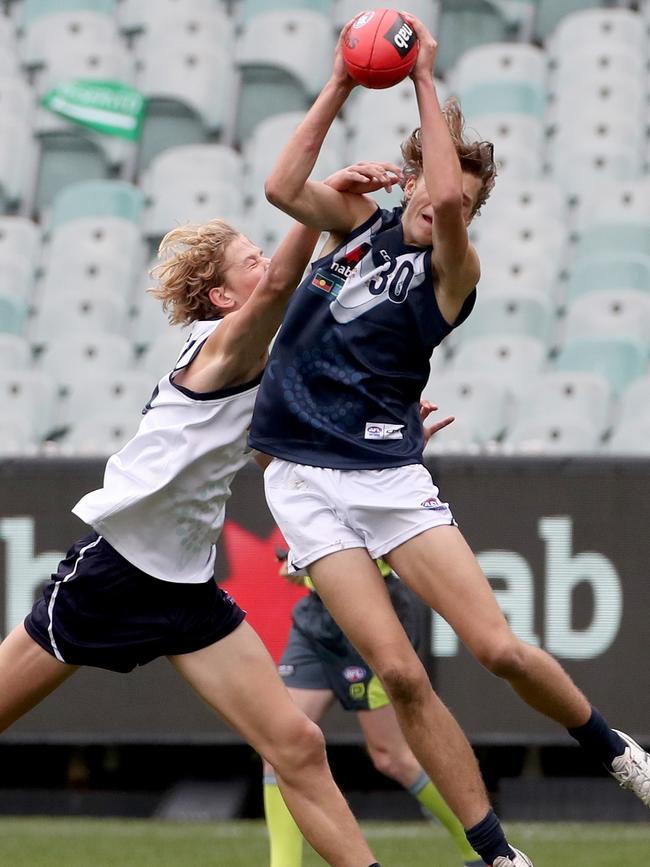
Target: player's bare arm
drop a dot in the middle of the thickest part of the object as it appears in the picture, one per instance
(236, 352)
(288, 186)
(454, 259)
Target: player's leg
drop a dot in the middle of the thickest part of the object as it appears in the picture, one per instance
(28, 673)
(237, 677)
(441, 568)
(356, 596)
(285, 837)
(391, 755)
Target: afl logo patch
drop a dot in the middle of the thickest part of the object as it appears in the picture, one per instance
(286, 670)
(354, 673)
(362, 19)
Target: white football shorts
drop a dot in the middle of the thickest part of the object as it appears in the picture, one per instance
(321, 510)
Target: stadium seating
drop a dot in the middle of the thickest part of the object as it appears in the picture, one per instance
(101, 434)
(285, 59)
(550, 13)
(186, 70)
(619, 359)
(31, 394)
(561, 436)
(609, 271)
(631, 438)
(427, 11)
(264, 146)
(96, 199)
(135, 16)
(478, 401)
(15, 352)
(559, 87)
(89, 395)
(72, 312)
(191, 184)
(559, 394)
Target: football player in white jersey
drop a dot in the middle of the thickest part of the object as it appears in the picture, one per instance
(362, 494)
(141, 584)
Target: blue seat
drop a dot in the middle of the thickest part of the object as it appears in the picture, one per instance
(619, 360)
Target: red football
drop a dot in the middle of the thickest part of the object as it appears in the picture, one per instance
(380, 48)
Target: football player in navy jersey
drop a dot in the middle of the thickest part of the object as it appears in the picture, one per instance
(337, 410)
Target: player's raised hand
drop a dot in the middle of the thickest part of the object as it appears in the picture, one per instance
(340, 74)
(426, 408)
(426, 58)
(366, 177)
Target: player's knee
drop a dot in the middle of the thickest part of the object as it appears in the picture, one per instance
(302, 746)
(392, 763)
(405, 685)
(504, 657)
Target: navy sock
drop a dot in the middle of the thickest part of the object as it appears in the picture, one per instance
(599, 739)
(487, 838)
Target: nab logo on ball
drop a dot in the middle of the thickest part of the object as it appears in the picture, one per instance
(402, 36)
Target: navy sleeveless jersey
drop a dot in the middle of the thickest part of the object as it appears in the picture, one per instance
(343, 383)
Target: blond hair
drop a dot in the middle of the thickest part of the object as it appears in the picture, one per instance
(476, 157)
(194, 263)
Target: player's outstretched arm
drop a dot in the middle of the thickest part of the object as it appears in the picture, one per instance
(288, 186)
(245, 334)
(455, 261)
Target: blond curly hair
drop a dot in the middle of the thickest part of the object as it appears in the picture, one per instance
(194, 262)
(476, 157)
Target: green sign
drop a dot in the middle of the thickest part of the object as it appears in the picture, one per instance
(109, 107)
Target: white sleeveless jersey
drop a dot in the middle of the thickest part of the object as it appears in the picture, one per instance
(163, 502)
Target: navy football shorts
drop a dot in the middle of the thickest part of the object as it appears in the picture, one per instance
(102, 611)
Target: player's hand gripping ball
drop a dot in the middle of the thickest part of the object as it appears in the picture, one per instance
(380, 48)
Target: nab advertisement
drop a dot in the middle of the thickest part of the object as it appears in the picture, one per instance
(564, 544)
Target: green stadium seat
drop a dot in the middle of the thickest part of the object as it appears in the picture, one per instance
(32, 394)
(502, 62)
(140, 15)
(502, 98)
(427, 11)
(631, 438)
(618, 359)
(102, 434)
(63, 357)
(635, 401)
(97, 199)
(30, 11)
(581, 23)
(248, 9)
(563, 394)
(628, 237)
(263, 147)
(66, 33)
(514, 357)
(93, 254)
(70, 311)
(609, 271)
(15, 352)
(562, 435)
(612, 313)
(464, 24)
(13, 313)
(192, 184)
(19, 236)
(478, 399)
(498, 313)
(102, 392)
(551, 12)
(285, 59)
